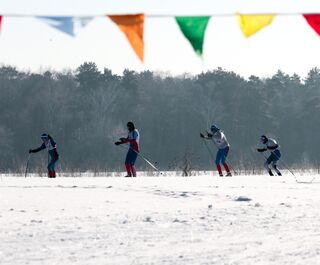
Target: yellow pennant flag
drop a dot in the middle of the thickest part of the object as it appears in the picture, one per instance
(132, 26)
(250, 24)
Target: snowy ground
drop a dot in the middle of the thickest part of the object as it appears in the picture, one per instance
(158, 220)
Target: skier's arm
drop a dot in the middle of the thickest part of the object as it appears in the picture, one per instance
(126, 140)
(131, 141)
(43, 146)
(262, 149)
(52, 142)
(208, 136)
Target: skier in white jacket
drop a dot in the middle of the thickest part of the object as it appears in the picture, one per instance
(220, 140)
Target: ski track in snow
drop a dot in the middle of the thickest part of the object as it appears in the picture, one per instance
(158, 220)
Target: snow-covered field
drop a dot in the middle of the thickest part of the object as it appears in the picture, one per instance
(160, 220)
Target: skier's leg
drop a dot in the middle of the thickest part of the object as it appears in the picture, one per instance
(128, 168)
(219, 170)
(223, 161)
(267, 163)
(226, 167)
(274, 165)
(133, 170)
(51, 172)
(54, 162)
(127, 164)
(132, 162)
(277, 156)
(218, 160)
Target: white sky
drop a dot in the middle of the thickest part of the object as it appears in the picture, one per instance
(288, 43)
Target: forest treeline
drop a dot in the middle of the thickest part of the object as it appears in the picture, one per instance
(86, 111)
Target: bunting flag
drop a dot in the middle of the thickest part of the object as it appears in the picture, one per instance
(133, 27)
(250, 24)
(68, 25)
(314, 21)
(194, 28)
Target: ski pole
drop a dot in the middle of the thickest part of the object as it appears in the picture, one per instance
(27, 165)
(283, 164)
(143, 157)
(208, 149)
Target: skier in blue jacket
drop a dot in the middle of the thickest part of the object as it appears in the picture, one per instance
(271, 145)
(51, 146)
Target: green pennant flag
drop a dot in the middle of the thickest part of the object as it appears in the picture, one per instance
(193, 28)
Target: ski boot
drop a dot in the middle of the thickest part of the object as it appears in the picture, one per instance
(229, 174)
(270, 172)
(277, 170)
(51, 174)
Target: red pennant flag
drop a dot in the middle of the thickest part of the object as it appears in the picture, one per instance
(314, 21)
(0, 21)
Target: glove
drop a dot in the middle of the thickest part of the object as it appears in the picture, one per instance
(261, 150)
(117, 143)
(209, 135)
(201, 135)
(30, 151)
(122, 139)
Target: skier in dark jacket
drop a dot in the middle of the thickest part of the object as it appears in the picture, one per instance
(51, 146)
(271, 145)
(133, 140)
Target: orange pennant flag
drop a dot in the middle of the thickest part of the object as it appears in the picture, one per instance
(132, 26)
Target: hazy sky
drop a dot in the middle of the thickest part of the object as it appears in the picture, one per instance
(288, 43)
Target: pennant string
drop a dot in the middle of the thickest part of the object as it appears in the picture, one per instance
(163, 15)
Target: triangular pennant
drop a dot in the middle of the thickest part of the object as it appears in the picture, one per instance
(194, 28)
(80, 23)
(68, 25)
(133, 27)
(250, 24)
(314, 21)
(0, 22)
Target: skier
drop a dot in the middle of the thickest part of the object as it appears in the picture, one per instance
(222, 143)
(51, 146)
(271, 145)
(133, 140)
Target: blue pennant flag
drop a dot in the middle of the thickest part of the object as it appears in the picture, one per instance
(68, 25)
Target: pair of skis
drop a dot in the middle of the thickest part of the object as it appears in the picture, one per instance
(295, 177)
